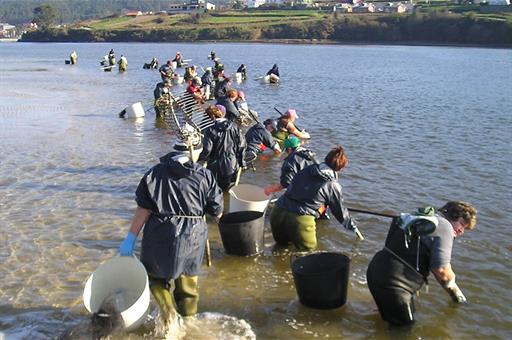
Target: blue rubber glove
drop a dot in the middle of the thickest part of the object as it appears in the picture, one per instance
(126, 247)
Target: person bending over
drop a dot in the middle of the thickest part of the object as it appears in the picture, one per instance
(397, 272)
(309, 194)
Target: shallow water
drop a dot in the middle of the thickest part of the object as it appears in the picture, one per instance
(421, 125)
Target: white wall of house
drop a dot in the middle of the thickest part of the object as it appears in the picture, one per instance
(255, 3)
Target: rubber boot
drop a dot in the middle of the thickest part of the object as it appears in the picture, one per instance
(160, 291)
(186, 295)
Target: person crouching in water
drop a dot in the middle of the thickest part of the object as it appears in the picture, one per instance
(258, 139)
(313, 189)
(223, 148)
(172, 199)
(297, 160)
(398, 272)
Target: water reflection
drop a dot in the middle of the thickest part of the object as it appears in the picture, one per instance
(70, 166)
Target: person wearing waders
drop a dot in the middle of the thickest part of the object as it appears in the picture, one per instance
(258, 139)
(172, 199)
(73, 58)
(297, 160)
(416, 245)
(166, 70)
(242, 70)
(286, 127)
(123, 64)
(223, 148)
(311, 191)
(111, 58)
(228, 102)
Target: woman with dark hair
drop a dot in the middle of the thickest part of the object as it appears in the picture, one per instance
(223, 148)
(311, 191)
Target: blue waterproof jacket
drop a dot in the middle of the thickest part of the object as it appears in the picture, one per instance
(295, 162)
(223, 148)
(256, 136)
(178, 196)
(313, 187)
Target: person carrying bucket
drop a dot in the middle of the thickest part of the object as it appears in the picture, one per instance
(297, 160)
(416, 245)
(311, 191)
(223, 148)
(172, 199)
(258, 139)
(286, 127)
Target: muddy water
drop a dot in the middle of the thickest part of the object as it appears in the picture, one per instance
(421, 125)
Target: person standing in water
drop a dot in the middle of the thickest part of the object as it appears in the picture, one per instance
(397, 272)
(297, 160)
(111, 57)
(123, 64)
(223, 148)
(172, 199)
(73, 58)
(311, 191)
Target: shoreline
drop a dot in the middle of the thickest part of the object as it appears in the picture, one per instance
(295, 42)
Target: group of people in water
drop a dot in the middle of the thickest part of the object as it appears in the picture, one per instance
(174, 196)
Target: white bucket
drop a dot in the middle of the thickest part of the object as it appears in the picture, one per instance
(273, 78)
(238, 77)
(125, 279)
(135, 110)
(177, 79)
(247, 197)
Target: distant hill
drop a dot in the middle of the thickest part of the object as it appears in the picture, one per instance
(17, 12)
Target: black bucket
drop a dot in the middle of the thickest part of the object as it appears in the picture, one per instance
(242, 232)
(67, 62)
(321, 279)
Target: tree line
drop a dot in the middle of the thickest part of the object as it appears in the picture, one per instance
(427, 28)
(22, 11)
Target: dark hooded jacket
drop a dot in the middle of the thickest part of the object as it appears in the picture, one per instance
(207, 78)
(273, 70)
(221, 88)
(232, 112)
(159, 90)
(310, 189)
(295, 162)
(175, 234)
(258, 139)
(223, 148)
